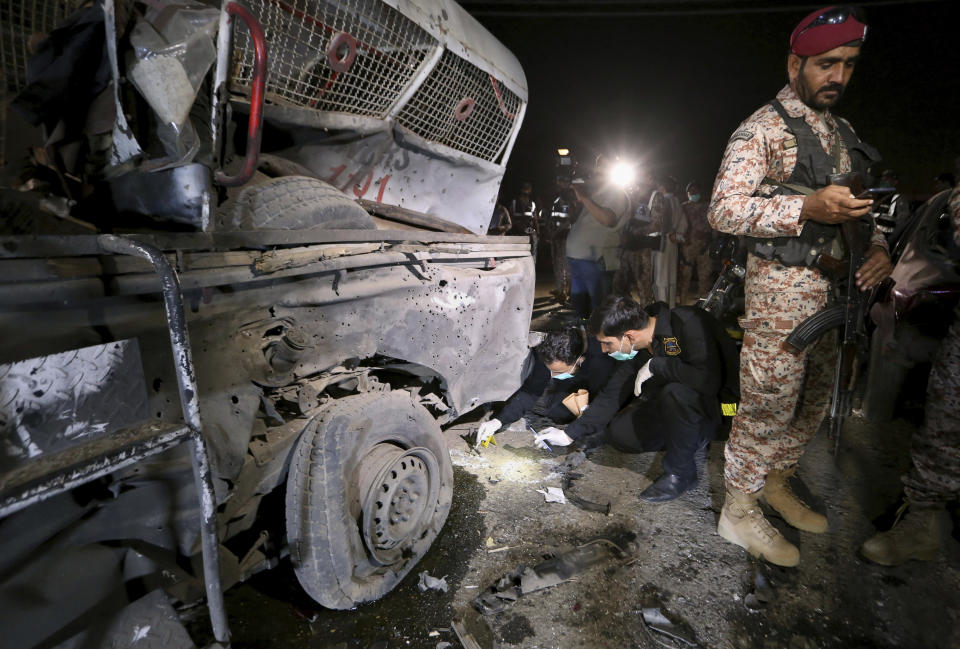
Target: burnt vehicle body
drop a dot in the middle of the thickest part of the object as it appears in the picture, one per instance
(342, 301)
(913, 317)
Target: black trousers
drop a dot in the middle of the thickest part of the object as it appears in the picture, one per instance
(673, 419)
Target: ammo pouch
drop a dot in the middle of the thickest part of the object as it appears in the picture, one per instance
(804, 250)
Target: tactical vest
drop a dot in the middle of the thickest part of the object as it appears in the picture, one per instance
(810, 173)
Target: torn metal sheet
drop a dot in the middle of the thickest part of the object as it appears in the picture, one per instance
(656, 619)
(473, 631)
(125, 145)
(50, 403)
(553, 495)
(762, 594)
(432, 583)
(583, 503)
(148, 622)
(180, 194)
(555, 570)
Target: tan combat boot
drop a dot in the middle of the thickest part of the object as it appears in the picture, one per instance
(778, 494)
(742, 523)
(916, 536)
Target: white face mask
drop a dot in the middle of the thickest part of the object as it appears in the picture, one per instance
(622, 356)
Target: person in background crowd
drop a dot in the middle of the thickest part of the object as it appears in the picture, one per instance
(695, 252)
(670, 221)
(634, 278)
(892, 209)
(569, 362)
(605, 206)
(523, 211)
(500, 220)
(557, 218)
(934, 476)
(773, 189)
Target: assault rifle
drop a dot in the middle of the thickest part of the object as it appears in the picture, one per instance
(848, 314)
(734, 261)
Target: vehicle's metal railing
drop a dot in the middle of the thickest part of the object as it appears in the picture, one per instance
(462, 107)
(353, 57)
(364, 58)
(47, 475)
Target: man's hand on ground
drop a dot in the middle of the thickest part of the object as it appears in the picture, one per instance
(833, 204)
(553, 436)
(875, 269)
(486, 431)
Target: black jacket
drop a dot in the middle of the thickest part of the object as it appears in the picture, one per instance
(689, 347)
(592, 376)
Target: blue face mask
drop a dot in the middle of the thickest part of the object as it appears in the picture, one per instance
(563, 376)
(694, 198)
(622, 356)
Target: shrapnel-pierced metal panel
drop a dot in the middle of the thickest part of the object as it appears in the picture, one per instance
(308, 40)
(463, 107)
(23, 24)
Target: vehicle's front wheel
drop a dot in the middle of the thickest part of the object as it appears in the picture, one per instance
(369, 489)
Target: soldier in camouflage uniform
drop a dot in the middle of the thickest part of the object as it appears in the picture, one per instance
(934, 476)
(635, 275)
(694, 251)
(772, 188)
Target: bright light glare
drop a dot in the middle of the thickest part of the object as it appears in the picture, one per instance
(622, 174)
(563, 152)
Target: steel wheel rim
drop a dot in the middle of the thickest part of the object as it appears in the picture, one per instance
(401, 487)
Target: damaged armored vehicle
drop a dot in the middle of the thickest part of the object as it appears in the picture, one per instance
(259, 228)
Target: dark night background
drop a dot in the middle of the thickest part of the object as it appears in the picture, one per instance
(666, 83)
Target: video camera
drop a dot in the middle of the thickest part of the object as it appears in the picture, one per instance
(566, 169)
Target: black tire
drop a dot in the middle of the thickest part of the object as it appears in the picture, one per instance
(345, 544)
(293, 203)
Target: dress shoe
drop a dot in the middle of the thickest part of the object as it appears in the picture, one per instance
(667, 487)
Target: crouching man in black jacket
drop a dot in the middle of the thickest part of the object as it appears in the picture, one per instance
(664, 393)
(568, 362)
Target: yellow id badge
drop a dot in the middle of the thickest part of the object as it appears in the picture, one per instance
(729, 409)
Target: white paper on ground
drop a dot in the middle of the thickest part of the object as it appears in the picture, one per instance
(553, 495)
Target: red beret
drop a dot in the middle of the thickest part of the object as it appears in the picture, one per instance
(826, 29)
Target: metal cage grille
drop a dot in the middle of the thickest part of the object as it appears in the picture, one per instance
(23, 21)
(380, 48)
(462, 107)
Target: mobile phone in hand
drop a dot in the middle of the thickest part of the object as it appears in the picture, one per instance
(876, 192)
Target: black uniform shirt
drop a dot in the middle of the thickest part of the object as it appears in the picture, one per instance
(685, 350)
(592, 375)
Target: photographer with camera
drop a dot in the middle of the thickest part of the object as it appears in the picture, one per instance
(605, 209)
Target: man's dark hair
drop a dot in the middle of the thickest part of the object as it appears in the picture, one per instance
(566, 345)
(616, 316)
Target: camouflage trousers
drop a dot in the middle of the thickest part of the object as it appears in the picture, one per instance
(635, 276)
(695, 257)
(935, 449)
(783, 397)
